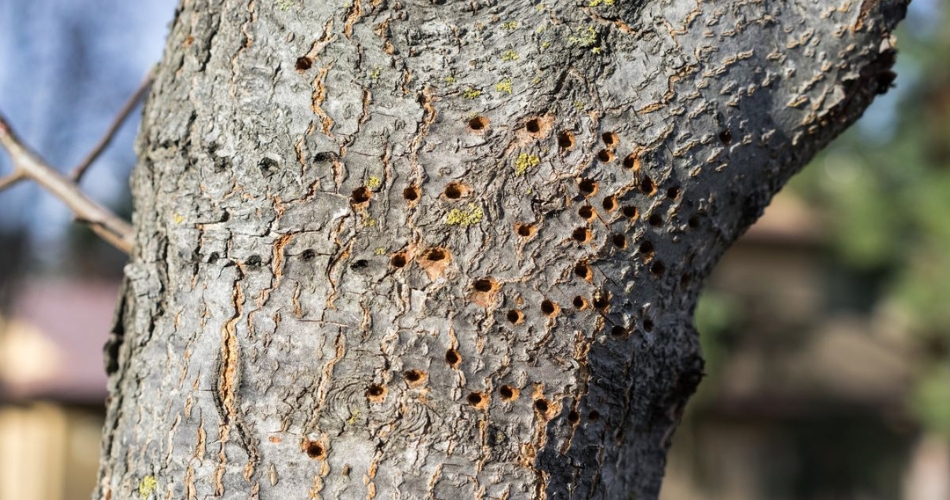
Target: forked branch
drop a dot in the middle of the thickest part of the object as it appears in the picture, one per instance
(28, 165)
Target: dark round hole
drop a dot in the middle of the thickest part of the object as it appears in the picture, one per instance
(586, 212)
(398, 260)
(411, 193)
(618, 331)
(315, 450)
(474, 399)
(413, 376)
(725, 137)
(647, 186)
(308, 254)
(673, 193)
(436, 254)
(582, 270)
(254, 261)
(610, 139)
(514, 316)
(594, 415)
(581, 235)
(303, 63)
(548, 307)
(506, 392)
(619, 240)
(579, 302)
(610, 203)
(524, 230)
(658, 268)
(601, 300)
(452, 357)
(533, 126)
(483, 285)
(573, 417)
(375, 392)
(630, 211)
(630, 161)
(587, 187)
(646, 248)
(565, 140)
(453, 191)
(214, 257)
(693, 222)
(656, 220)
(478, 123)
(541, 405)
(360, 264)
(605, 155)
(648, 325)
(360, 195)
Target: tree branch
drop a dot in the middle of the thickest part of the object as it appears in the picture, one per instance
(110, 133)
(28, 165)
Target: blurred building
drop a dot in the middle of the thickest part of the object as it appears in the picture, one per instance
(52, 388)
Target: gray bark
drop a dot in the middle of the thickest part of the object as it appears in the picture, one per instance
(451, 249)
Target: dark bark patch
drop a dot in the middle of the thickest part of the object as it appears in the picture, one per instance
(656, 220)
(602, 300)
(647, 186)
(308, 255)
(658, 268)
(725, 137)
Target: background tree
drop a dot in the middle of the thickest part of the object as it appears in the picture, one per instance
(433, 248)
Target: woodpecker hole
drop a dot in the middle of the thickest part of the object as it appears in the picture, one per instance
(478, 123)
(565, 140)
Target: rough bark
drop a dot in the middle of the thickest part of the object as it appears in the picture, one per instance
(451, 249)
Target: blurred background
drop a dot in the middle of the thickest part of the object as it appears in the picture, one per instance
(826, 328)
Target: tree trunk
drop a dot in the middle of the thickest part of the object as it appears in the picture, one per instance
(451, 249)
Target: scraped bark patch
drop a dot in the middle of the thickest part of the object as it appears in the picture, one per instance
(484, 291)
(434, 261)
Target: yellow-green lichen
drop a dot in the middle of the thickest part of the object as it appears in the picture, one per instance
(471, 93)
(586, 38)
(374, 182)
(374, 73)
(450, 80)
(545, 44)
(147, 486)
(285, 4)
(510, 25)
(524, 162)
(473, 215)
(380, 251)
(369, 222)
(595, 3)
(509, 55)
(504, 86)
(579, 105)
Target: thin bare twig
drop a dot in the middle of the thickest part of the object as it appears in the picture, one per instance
(110, 133)
(11, 179)
(27, 165)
